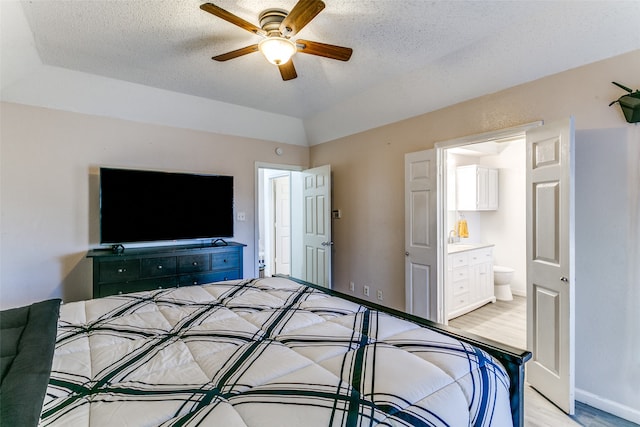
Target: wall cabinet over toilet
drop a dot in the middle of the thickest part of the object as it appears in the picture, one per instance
(476, 188)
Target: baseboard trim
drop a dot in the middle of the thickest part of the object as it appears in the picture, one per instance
(519, 293)
(615, 408)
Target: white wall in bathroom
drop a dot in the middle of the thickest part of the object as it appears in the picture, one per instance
(474, 226)
(506, 227)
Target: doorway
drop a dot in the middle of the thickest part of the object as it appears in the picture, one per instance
(496, 226)
(293, 228)
(274, 221)
(550, 271)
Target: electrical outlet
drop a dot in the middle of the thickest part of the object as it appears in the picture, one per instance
(379, 294)
(366, 291)
(352, 286)
(242, 216)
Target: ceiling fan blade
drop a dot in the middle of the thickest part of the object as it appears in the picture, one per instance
(230, 17)
(301, 14)
(323, 49)
(236, 53)
(288, 71)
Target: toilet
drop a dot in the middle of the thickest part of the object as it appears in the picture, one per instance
(502, 282)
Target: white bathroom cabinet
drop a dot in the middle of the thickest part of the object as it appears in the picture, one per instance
(476, 188)
(469, 280)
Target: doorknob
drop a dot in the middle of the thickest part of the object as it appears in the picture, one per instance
(564, 279)
(327, 243)
(406, 254)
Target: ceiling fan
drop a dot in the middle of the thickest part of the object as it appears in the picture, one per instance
(277, 26)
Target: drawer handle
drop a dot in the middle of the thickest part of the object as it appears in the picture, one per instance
(122, 270)
(159, 287)
(119, 292)
(160, 267)
(195, 282)
(195, 263)
(224, 260)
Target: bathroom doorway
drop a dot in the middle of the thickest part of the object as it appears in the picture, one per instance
(484, 218)
(549, 230)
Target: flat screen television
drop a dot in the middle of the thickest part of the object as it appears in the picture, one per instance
(152, 206)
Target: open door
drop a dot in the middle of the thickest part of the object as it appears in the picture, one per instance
(550, 261)
(421, 255)
(316, 196)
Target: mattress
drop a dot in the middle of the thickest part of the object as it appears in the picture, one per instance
(262, 352)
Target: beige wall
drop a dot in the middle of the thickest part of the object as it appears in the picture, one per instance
(368, 168)
(49, 189)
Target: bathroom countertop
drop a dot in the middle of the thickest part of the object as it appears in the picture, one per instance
(453, 248)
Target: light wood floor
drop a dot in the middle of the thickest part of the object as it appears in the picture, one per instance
(506, 322)
(503, 321)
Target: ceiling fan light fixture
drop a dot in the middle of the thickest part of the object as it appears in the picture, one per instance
(277, 50)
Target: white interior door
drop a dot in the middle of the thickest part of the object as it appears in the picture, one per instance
(421, 255)
(316, 195)
(550, 261)
(282, 225)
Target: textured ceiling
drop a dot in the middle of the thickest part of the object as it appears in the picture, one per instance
(168, 44)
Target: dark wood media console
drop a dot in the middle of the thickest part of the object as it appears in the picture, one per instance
(143, 269)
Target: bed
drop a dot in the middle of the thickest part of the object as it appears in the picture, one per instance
(270, 352)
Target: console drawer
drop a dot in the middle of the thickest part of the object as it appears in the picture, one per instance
(226, 260)
(194, 263)
(197, 279)
(156, 267)
(136, 286)
(119, 270)
(221, 275)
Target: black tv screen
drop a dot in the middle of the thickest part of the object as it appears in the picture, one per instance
(148, 206)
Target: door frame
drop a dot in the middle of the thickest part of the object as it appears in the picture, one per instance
(256, 225)
(441, 186)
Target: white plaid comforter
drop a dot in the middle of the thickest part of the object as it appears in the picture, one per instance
(262, 352)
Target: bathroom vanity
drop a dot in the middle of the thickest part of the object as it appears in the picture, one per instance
(469, 278)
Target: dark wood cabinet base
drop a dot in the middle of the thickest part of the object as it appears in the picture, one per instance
(143, 269)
